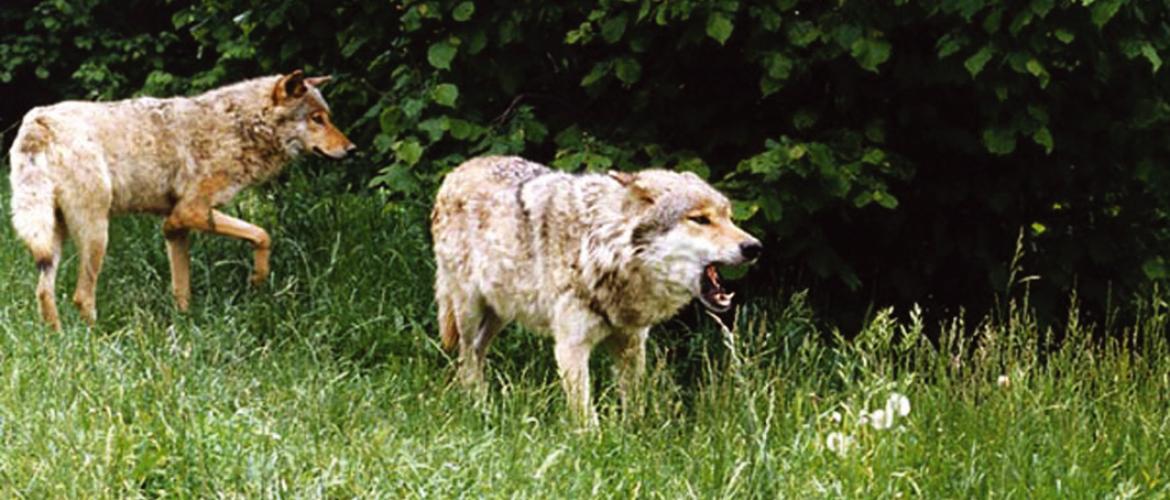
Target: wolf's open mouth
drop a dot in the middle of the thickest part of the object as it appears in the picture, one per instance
(714, 297)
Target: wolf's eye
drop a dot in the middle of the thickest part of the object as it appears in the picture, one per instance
(317, 119)
(701, 220)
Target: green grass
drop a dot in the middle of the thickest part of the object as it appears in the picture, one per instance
(328, 382)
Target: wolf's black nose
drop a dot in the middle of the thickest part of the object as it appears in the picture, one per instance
(751, 250)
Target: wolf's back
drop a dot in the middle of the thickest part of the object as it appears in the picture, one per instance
(488, 174)
(33, 204)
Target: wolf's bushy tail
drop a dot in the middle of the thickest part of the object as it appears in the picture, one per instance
(33, 204)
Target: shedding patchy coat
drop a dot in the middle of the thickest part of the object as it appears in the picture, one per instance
(74, 164)
(588, 259)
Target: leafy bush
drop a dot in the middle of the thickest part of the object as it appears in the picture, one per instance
(890, 151)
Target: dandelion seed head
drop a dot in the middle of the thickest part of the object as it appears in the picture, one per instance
(898, 404)
(838, 442)
(881, 419)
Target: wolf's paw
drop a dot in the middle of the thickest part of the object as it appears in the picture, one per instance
(258, 278)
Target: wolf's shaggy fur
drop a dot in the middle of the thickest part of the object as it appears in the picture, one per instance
(590, 259)
(76, 163)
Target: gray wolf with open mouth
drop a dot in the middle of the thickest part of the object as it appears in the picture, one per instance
(592, 260)
(74, 164)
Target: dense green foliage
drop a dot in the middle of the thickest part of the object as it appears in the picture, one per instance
(328, 383)
(891, 151)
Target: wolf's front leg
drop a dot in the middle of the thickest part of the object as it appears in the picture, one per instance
(213, 221)
(179, 255)
(573, 363)
(629, 352)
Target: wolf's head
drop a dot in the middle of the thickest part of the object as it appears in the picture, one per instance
(303, 117)
(684, 232)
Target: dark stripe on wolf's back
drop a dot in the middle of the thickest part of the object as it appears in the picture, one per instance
(524, 231)
(524, 212)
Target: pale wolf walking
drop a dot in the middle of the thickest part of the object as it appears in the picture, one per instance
(590, 259)
(74, 164)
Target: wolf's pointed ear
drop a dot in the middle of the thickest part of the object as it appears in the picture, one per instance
(290, 86)
(318, 81)
(631, 182)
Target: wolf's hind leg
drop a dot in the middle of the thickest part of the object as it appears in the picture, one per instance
(472, 320)
(490, 325)
(91, 236)
(46, 283)
(179, 255)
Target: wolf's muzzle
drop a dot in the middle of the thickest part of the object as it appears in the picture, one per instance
(751, 250)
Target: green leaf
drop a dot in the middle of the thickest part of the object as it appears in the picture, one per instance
(802, 33)
(441, 53)
(1151, 54)
(463, 129)
(597, 73)
(948, 45)
(1156, 268)
(804, 118)
(463, 11)
(613, 28)
(1065, 36)
(978, 60)
(993, 20)
(719, 27)
(1021, 20)
(628, 70)
(999, 141)
(398, 178)
(391, 120)
(886, 200)
(696, 165)
(1037, 70)
(779, 67)
(476, 42)
(1043, 137)
(408, 151)
(743, 210)
(874, 156)
(412, 107)
(1042, 7)
(445, 94)
(870, 53)
(434, 127)
(769, 86)
(1103, 11)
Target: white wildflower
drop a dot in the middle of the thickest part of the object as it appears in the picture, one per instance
(881, 419)
(1003, 381)
(898, 404)
(838, 443)
(835, 417)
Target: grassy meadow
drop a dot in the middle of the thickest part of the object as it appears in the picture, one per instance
(328, 382)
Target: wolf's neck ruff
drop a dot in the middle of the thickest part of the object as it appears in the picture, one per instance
(574, 217)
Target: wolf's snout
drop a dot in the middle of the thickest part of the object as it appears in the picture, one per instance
(751, 250)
